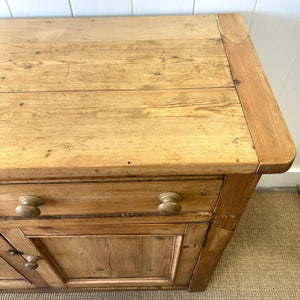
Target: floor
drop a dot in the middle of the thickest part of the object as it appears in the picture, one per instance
(262, 261)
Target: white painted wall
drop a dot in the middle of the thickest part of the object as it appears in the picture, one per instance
(274, 27)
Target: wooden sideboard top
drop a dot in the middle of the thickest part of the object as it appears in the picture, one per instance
(135, 96)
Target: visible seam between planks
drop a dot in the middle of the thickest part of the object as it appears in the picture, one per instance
(122, 90)
(219, 196)
(237, 92)
(200, 253)
(231, 41)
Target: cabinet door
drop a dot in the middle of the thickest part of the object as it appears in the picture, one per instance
(13, 274)
(104, 256)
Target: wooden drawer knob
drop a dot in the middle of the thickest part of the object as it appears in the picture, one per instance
(32, 262)
(28, 207)
(169, 203)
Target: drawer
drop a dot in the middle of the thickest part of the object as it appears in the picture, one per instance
(100, 198)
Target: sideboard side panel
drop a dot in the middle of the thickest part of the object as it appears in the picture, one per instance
(233, 199)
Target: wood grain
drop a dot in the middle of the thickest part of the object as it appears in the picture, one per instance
(217, 240)
(236, 191)
(114, 65)
(191, 247)
(100, 220)
(145, 133)
(273, 143)
(67, 30)
(113, 179)
(112, 256)
(13, 273)
(233, 199)
(8, 272)
(111, 197)
(47, 269)
(91, 229)
(118, 256)
(134, 287)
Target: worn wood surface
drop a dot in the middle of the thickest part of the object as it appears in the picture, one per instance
(113, 179)
(8, 272)
(96, 289)
(13, 273)
(67, 30)
(78, 134)
(114, 65)
(217, 240)
(91, 229)
(112, 256)
(271, 137)
(149, 257)
(162, 99)
(233, 199)
(99, 220)
(191, 247)
(47, 268)
(111, 197)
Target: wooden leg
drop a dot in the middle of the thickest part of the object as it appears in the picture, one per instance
(233, 199)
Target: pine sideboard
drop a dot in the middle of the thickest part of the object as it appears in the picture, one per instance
(129, 149)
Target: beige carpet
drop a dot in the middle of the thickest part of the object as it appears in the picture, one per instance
(262, 260)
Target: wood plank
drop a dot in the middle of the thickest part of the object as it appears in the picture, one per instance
(235, 194)
(217, 240)
(176, 249)
(191, 247)
(112, 256)
(66, 30)
(113, 229)
(15, 284)
(122, 282)
(145, 133)
(273, 143)
(102, 289)
(8, 272)
(111, 197)
(113, 179)
(100, 220)
(114, 65)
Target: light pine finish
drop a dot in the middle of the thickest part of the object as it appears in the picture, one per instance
(13, 273)
(235, 194)
(9, 273)
(217, 240)
(123, 65)
(112, 256)
(77, 134)
(273, 143)
(114, 179)
(48, 269)
(100, 220)
(137, 255)
(66, 30)
(115, 123)
(191, 247)
(116, 229)
(111, 197)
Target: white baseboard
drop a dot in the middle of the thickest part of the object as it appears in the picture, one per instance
(288, 179)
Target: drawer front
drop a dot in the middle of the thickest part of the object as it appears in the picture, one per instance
(110, 198)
